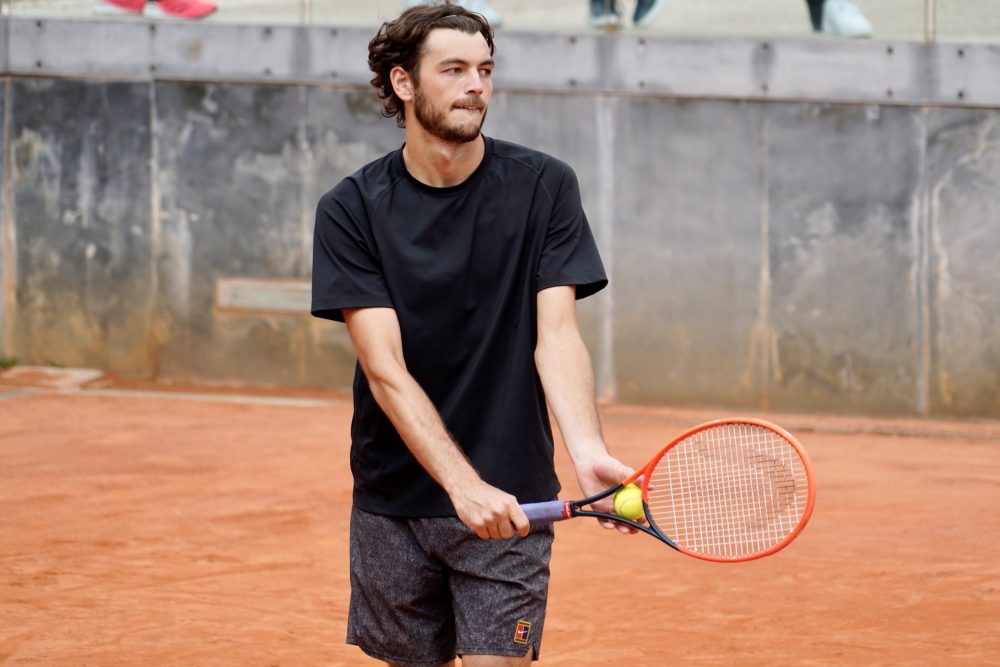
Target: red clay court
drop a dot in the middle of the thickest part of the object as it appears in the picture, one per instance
(143, 528)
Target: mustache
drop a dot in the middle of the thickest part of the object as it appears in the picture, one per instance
(476, 102)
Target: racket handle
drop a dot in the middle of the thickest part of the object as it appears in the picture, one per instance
(551, 510)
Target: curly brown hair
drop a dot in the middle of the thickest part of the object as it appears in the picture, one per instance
(400, 43)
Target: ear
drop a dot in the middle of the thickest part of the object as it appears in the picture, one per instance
(402, 83)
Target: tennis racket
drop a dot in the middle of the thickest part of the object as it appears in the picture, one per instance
(727, 490)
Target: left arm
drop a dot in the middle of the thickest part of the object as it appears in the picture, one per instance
(567, 376)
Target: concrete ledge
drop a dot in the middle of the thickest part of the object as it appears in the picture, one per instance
(730, 68)
(46, 377)
(269, 296)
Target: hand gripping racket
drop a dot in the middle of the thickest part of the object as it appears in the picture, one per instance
(727, 490)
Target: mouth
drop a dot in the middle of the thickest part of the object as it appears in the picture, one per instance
(472, 105)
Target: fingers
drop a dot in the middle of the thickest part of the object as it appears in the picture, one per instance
(622, 528)
(503, 527)
(625, 529)
(500, 530)
(506, 526)
(492, 514)
(610, 470)
(520, 520)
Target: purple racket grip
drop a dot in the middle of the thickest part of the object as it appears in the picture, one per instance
(551, 510)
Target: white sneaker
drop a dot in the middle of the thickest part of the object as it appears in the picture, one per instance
(842, 18)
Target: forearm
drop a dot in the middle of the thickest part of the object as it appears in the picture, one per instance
(377, 340)
(420, 426)
(567, 376)
(564, 367)
(487, 510)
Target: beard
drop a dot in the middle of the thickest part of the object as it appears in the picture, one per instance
(435, 120)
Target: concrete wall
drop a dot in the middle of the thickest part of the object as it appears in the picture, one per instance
(789, 244)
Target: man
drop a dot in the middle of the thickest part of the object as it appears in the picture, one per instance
(455, 262)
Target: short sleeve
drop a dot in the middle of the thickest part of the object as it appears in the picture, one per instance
(346, 271)
(570, 255)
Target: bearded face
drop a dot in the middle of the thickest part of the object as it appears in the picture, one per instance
(451, 86)
(459, 122)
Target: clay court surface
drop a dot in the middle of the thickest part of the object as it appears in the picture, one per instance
(148, 529)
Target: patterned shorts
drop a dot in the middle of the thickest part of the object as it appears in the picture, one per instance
(424, 590)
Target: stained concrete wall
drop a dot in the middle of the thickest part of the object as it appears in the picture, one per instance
(80, 159)
(797, 254)
(6, 249)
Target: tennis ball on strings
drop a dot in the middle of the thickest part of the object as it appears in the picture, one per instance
(628, 502)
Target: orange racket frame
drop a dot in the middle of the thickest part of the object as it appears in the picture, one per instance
(745, 488)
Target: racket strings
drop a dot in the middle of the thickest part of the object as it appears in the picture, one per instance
(729, 491)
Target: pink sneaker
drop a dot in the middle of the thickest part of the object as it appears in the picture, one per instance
(179, 9)
(119, 6)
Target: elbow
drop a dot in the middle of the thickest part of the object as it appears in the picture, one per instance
(539, 354)
(544, 351)
(383, 375)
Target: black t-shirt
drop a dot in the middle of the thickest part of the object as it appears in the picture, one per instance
(461, 266)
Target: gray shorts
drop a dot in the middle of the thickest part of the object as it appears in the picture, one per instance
(424, 590)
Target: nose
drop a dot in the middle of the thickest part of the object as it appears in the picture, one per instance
(476, 83)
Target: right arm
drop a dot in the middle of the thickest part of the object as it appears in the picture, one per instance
(377, 340)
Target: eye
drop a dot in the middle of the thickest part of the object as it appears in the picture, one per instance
(486, 72)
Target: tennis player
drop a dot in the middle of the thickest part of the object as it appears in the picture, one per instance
(456, 262)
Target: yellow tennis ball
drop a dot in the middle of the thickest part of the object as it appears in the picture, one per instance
(628, 502)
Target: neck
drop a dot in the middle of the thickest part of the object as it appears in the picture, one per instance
(438, 163)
